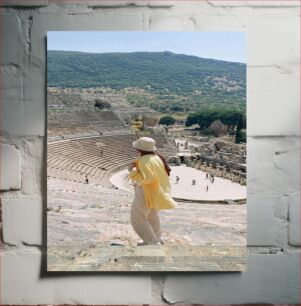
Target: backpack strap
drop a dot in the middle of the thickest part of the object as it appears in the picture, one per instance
(167, 168)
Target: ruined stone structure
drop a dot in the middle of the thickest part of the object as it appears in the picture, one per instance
(82, 100)
(221, 158)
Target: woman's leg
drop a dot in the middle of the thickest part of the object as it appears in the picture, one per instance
(139, 214)
(154, 220)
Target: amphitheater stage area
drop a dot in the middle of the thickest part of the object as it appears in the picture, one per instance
(221, 190)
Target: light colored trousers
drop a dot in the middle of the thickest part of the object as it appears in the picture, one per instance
(145, 221)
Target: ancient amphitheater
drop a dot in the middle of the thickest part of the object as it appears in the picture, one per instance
(89, 197)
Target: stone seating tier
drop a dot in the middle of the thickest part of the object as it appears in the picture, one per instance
(100, 119)
(96, 156)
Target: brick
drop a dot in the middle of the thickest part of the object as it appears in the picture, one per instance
(272, 36)
(22, 283)
(24, 3)
(170, 23)
(12, 84)
(268, 279)
(119, 4)
(23, 101)
(250, 3)
(266, 214)
(273, 166)
(22, 221)
(12, 107)
(293, 275)
(12, 41)
(68, 8)
(121, 21)
(115, 4)
(10, 160)
(34, 100)
(294, 220)
(163, 4)
(109, 4)
(33, 166)
(278, 89)
(88, 22)
(260, 219)
(274, 40)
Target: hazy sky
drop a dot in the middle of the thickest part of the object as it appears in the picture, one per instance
(228, 46)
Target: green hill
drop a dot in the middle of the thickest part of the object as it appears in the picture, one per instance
(163, 73)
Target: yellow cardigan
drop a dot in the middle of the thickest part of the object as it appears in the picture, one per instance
(150, 173)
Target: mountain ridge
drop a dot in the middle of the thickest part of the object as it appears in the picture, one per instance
(157, 72)
(147, 52)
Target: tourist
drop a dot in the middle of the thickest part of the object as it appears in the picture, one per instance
(149, 174)
(207, 188)
(86, 179)
(206, 175)
(193, 182)
(177, 179)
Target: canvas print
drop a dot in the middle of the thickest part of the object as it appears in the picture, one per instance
(146, 151)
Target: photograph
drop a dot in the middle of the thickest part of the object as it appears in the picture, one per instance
(146, 151)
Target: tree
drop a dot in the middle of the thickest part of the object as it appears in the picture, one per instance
(167, 120)
(192, 119)
(241, 136)
(229, 117)
(241, 123)
(176, 108)
(203, 118)
(206, 117)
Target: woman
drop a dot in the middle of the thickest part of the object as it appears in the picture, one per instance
(152, 191)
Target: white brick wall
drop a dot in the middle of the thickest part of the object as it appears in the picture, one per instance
(294, 220)
(24, 284)
(264, 118)
(252, 3)
(23, 221)
(24, 3)
(10, 172)
(262, 228)
(170, 23)
(273, 164)
(13, 45)
(273, 49)
(261, 284)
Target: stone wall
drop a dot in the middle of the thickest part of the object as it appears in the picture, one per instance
(273, 104)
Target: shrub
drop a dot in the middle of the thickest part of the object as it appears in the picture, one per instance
(167, 120)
